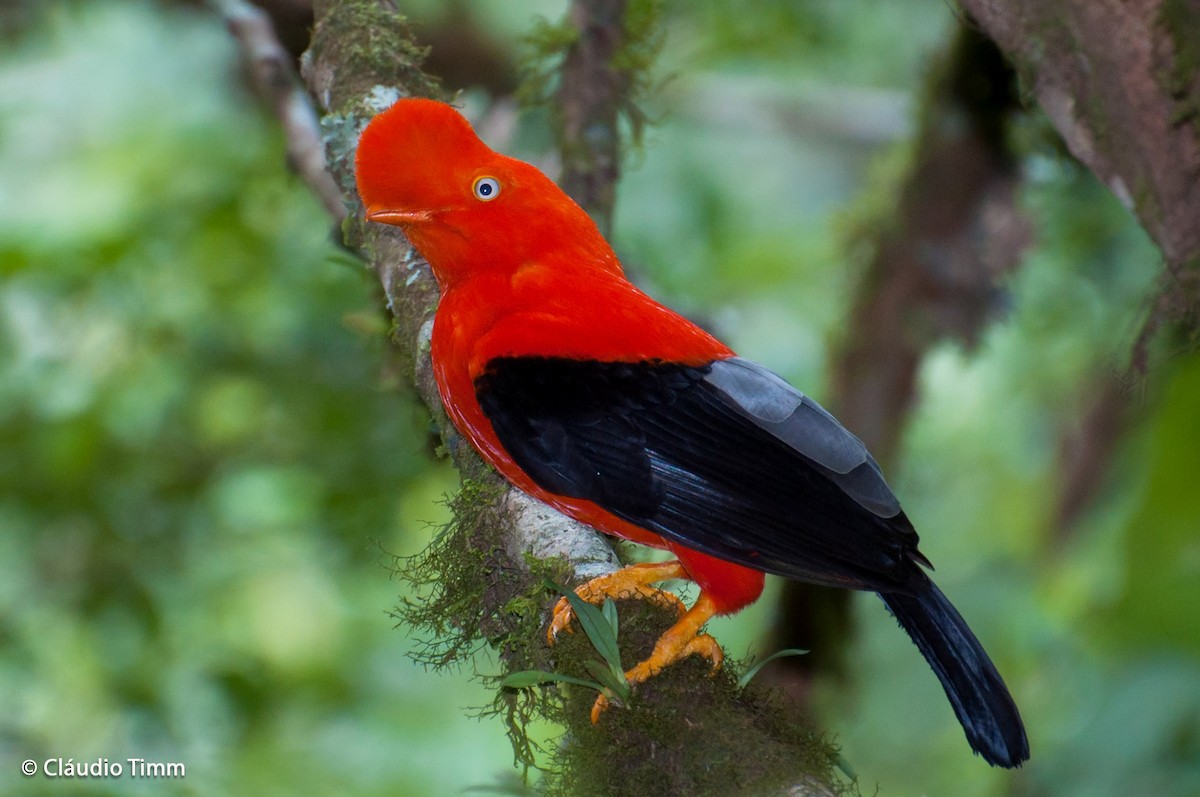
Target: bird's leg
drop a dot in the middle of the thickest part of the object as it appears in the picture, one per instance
(633, 581)
(678, 642)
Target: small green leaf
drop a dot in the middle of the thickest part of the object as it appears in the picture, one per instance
(597, 628)
(758, 665)
(609, 609)
(845, 767)
(523, 679)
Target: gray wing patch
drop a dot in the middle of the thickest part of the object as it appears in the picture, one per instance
(777, 407)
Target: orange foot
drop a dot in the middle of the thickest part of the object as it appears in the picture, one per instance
(679, 641)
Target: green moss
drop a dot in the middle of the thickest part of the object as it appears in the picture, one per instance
(464, 583)
(373, 46)
(685, 731)
(468, 591)
(644, 38)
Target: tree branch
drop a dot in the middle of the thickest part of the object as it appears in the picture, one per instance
(1118, 80)
(362, 59)
(271, 69)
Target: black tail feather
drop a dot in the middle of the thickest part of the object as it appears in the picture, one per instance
(978, 694)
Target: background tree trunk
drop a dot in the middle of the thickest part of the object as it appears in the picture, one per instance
(1120, 81)
(936, 260)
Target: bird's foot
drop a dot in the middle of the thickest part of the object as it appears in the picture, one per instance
(678, 642)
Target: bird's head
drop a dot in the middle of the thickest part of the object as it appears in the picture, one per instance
(421, 167)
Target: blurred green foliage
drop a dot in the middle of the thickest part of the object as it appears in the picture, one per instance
(198, 455)
(200, 441)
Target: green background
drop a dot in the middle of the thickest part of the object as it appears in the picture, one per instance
(207, 459)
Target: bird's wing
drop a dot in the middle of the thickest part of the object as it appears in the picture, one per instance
(725, 458)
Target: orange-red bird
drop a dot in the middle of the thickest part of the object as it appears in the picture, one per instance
(586, 393)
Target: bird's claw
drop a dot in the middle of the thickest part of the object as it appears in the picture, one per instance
(681, 640)
(599, 707)
(622, 585)
(700, 645)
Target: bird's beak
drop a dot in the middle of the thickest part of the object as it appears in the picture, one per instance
(400, 218)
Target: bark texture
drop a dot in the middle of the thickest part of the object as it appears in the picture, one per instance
(1120, 81)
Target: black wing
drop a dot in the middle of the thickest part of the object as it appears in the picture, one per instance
(726, 458)
(731, 460)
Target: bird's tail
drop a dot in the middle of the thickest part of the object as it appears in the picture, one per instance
(979, 697)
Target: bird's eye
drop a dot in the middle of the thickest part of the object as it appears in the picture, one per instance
(486, 188)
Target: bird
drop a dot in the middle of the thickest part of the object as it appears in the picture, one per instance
(586, 393)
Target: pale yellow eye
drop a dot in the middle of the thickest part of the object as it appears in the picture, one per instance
(486, 188)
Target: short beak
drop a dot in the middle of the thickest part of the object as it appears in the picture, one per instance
(400, 218)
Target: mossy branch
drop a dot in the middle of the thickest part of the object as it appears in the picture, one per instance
(484, 579)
